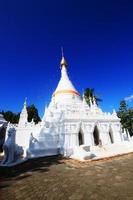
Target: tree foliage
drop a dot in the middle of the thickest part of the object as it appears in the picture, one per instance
(14, 117)
(90, 93)
(126, 116)
(11, 117)
(33, 114)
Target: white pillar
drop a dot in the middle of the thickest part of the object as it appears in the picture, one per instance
(88, 139)
(103, 136)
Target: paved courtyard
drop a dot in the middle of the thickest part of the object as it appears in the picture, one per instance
(61, 179)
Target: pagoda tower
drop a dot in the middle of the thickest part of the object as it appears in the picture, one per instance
(65, 90)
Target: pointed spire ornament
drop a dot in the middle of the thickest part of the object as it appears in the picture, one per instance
(25, 102)
(32, 121)
(63, 61)
(62, 52)
(84, 101)
(94, 101)
(83, 97)
(90, 101)
(114, 113)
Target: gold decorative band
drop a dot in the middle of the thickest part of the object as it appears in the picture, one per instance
(66, 91)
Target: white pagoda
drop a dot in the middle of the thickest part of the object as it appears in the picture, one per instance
(71, 127)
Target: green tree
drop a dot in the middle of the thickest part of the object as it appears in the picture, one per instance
(33, 114)
(11, 117)
(122, 114)
(126, 116)
(90, 93)
(130, 121)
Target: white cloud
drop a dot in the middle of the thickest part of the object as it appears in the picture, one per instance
(130, 98)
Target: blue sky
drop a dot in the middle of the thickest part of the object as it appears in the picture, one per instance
(97, 37)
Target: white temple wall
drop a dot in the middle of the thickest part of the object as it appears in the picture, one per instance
(116, 131)
(65, 135)
(69, 137)
(23, 137)
(104, 136)
(103, 132)
(117, 137)
(23, 134)
(67, 149)
(110, 141)
(103, 128)
(73, 140)
(88, 139)
(88, 133)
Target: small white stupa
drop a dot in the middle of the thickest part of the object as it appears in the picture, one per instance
(23, 115)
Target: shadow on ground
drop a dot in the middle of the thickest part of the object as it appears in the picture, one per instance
(26, 168)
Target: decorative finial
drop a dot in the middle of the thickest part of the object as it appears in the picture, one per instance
(90, 101)
(25, 101)
(63, 61)
(94, 100)
(114, 113)
(62, 52)
(83, 97)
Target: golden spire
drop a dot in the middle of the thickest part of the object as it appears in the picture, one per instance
(63, 61)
